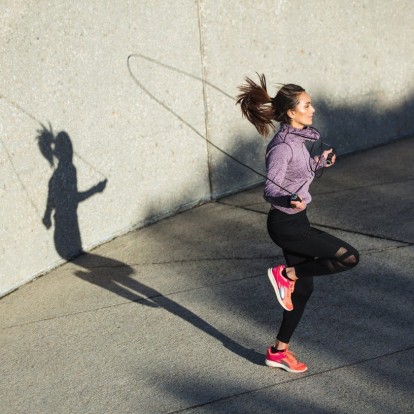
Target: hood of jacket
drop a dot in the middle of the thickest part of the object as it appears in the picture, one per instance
(307, 133)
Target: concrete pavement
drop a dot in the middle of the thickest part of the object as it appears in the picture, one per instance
(176, 317)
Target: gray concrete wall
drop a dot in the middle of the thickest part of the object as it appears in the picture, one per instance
(137, 130)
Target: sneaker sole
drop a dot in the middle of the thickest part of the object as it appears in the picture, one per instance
(274, 284)
(286, 368)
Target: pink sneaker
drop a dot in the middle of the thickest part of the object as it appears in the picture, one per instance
(285, 360)
(283, 286)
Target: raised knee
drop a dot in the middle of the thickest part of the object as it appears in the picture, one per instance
(353, 259)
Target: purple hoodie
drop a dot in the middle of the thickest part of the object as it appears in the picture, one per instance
(290, 166)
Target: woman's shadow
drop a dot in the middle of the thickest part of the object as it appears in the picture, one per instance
(110, 274)
(63, 200)
(63, 196)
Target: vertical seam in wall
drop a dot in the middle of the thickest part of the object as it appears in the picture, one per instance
(200, 30)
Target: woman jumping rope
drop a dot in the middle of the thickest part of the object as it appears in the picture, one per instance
(290, 169)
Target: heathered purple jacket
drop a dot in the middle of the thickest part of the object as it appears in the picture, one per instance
(289, 165)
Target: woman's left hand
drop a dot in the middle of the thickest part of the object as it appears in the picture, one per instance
(333, 159)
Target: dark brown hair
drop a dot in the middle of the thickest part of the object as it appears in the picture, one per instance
(261, 110)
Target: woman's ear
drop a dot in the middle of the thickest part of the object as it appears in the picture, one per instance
(291, 113)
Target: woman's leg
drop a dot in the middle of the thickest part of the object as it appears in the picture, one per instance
(279, 356)
(326, 255)
(323, 254)
(308, 252)
(317, 254)
(300, 296)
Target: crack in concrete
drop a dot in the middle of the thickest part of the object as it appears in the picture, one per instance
(207, 259)
(215, 259)
(374, 236)
(205, 103)
(315, 193)
(142, 299)
(171, 294)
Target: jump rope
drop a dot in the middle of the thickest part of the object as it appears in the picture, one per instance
(293, 195)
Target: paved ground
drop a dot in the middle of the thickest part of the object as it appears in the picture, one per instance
(176, 317)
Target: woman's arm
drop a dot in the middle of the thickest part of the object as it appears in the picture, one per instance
(277, 161)
(98, 188)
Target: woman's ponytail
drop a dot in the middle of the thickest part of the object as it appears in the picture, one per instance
(261, 110)
(256, 105)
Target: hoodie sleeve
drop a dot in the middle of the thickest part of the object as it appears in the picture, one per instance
(317, 162)
(277, 160)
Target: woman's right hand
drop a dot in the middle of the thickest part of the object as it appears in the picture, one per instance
(298, 205)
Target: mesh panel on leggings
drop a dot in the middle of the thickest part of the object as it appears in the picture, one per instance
(344, 259)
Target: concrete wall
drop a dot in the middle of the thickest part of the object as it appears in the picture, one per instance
(137, 127)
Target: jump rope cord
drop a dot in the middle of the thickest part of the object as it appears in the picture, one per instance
(167, 108)
(19, 179)
(173, 113)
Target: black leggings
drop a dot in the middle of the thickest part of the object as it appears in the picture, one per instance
(311, 252)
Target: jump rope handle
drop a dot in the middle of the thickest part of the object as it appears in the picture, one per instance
(295, 197)
(330, 156)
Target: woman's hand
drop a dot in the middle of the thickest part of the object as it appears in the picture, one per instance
(101, 185)
(333, 159)
(298, 205)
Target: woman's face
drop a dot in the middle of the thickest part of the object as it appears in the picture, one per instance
(302, 115)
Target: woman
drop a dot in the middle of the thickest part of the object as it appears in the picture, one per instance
(290, 170)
